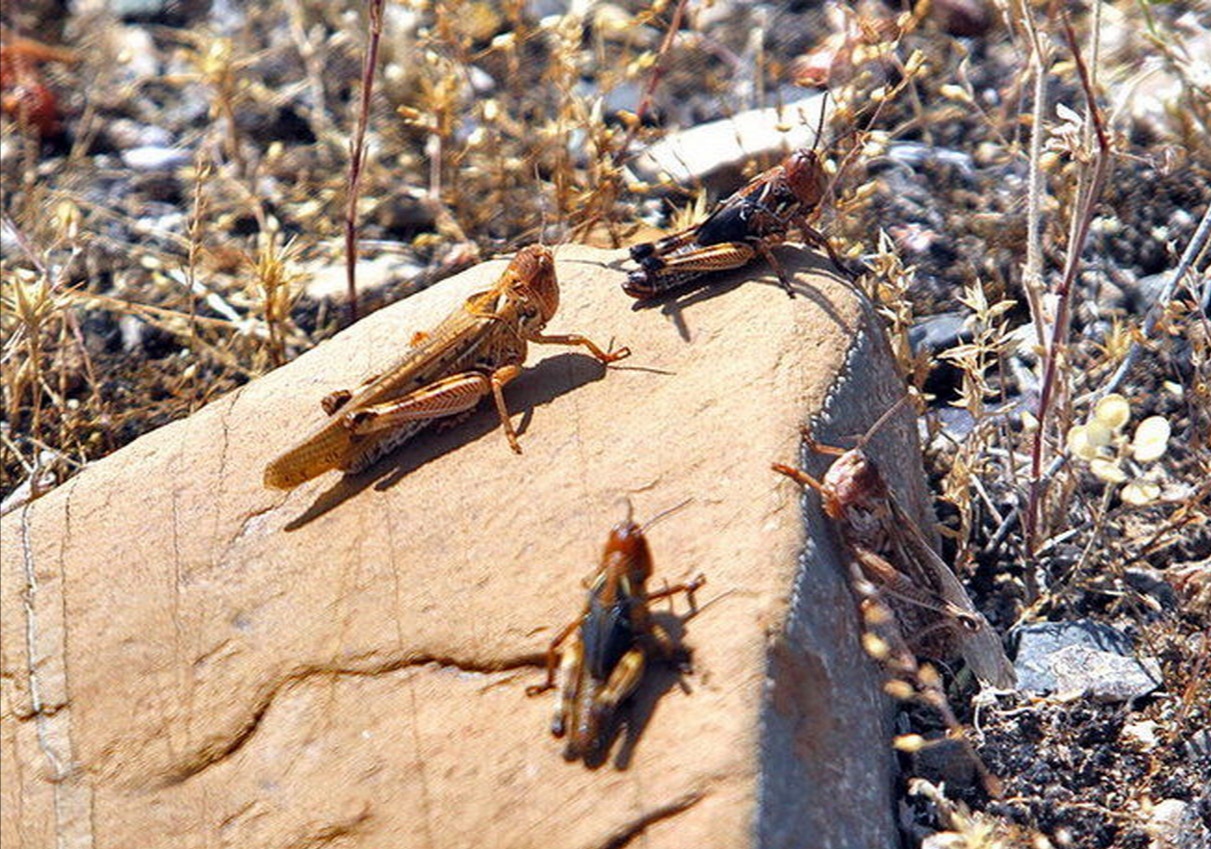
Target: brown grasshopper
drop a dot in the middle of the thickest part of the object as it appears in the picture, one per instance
(473, 353)
(750, 222)
(615, 635)
(890, 552)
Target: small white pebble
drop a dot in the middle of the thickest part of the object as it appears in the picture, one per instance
(155, 158)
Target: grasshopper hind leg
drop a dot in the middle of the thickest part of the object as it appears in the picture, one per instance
(571, 680)
(379, 447)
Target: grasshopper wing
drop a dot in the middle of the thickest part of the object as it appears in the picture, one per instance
(978, 641)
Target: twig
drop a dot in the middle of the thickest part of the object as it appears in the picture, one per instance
(1032, 277)
(358, 154)
(201, 171)
(1076, 244)
(645, 102)
(1197, 243)
(1195, 246)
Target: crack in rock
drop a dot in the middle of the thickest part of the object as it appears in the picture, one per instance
(334, 832)
(631, 830)
(219, 750)
(52, 722)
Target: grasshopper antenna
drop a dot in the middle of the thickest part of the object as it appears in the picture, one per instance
(542, 207)
(661, 515)
(820, 122)
(882, 420)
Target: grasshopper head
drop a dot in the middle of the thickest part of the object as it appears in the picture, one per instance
(532, 280)
(853, 480)
(806, 178)
(627, 550)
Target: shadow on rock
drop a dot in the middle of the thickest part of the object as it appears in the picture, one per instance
(713, 284)
(636, 713)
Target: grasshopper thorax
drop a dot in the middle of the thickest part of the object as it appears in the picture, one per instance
(533, 281)
(804, 174)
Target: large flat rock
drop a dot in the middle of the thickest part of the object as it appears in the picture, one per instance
(190, 659)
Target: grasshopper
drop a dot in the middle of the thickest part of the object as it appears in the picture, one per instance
(750, 222)
(474, 352)
(890, 552)
(614, 636)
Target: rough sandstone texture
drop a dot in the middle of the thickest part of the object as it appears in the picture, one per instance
(192, 660)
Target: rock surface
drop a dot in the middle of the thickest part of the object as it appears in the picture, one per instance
(192, 660)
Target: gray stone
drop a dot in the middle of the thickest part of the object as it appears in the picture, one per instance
(1084, 658)
(1175, 824)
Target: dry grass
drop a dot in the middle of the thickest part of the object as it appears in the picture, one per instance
(449, 173)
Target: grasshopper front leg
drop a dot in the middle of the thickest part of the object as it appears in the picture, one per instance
(689, 588)
(552, 654)
(333, 401)
(603, 357)
(812, 236)
(765, 251)
(658, 638)
(449, 396)
(798, 476)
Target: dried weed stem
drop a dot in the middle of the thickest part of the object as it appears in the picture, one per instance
(357, 153)
(1089, 190)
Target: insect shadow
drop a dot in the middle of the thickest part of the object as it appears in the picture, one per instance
(536, 386)
(660, 676)
(793, 259)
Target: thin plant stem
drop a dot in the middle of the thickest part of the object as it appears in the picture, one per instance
(645, 102)
(1195, 246)
(1083, 217)
(358, 154)
(1033, 276)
